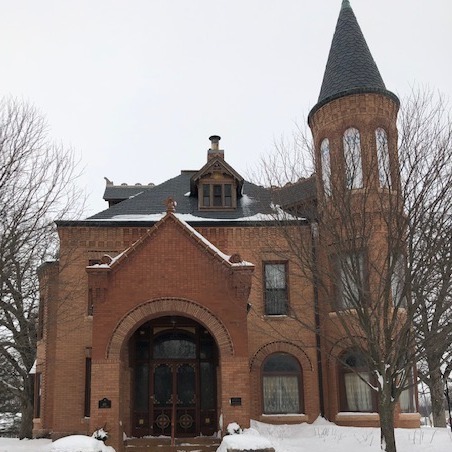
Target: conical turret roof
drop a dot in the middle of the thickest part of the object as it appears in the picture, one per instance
(350, 67)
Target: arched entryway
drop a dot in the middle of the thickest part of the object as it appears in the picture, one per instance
(174, 364)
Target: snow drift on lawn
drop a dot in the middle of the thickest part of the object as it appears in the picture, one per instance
(321, 436)
(79, 443)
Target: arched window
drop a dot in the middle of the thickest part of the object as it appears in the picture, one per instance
(281, 385)
(326, 166)
(384, 172)
(353, 160)
(355, 393)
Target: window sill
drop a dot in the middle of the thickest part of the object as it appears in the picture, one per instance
(222, 208)
(277, 317)
(347, 415)
(284, 418)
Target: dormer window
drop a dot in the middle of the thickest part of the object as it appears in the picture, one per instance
(216, 185)
(217, 195)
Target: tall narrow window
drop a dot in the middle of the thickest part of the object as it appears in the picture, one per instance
(354, 377)
(353, 159)
(38, 394)
(326, 166)
(275, 285)
(206, 195)
(384, 173)
(350, 279)
(40, 329)
(281, 384)
(217, 199)
(407, 398)
(87, 404)
(227, 195)
(398, 281)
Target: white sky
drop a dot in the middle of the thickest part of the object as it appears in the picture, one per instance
(138, 86)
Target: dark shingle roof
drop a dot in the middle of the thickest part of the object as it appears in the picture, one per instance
(299, 198)
(121, 192)
(350, 68)
(254, 200)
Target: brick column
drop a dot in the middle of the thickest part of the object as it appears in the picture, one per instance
(106, 384)
(235, 383)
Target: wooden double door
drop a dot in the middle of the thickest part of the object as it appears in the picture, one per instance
(174, 368)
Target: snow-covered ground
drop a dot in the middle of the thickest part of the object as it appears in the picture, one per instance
(321, 436)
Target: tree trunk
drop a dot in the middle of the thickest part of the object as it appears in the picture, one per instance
(386, 409)
(437, 395)
(27, 410)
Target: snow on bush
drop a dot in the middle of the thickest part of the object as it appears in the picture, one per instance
(233, 428)
(79, 443)
(100, 434)
(250, 439)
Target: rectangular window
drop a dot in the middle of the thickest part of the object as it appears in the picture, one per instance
(217, 198)
(350, 280)
(228, 195)
(38, 393)
(40, 330)
(217, 195)
(90, 302)
(358, 393)
(275, 286)
(206, 195)
(87, 405)
(407, 399)
(281, 394)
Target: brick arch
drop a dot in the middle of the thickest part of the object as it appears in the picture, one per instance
(341, 345)
(167, 306)
(280, 347)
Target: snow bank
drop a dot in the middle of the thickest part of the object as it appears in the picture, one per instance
(79, 443)
(250, 439)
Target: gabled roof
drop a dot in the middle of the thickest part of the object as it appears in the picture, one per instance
(233, 261)
(350, 68)
(216, 164)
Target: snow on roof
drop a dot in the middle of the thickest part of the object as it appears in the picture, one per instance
(279, 214)
(213, 247)
(182, 219)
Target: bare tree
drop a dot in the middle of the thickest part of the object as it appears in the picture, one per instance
(425, 146)
(36, 187)
(381, 240)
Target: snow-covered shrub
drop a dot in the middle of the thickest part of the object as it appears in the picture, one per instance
(233, 429)
(79, 443)
(101, 434)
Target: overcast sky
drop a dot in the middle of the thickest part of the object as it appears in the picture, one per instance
(137, 86)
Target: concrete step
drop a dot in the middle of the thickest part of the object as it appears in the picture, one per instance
(163, 444)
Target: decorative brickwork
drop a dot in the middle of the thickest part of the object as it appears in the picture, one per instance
(165, 306)
(280, 347)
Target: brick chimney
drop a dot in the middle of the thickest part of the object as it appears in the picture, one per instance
(215, 150)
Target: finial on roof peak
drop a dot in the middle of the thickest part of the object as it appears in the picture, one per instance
(170, 204)
(345, 4)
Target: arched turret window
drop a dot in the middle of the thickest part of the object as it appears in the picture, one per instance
(326, 165)
(384, 173)
(353, 159)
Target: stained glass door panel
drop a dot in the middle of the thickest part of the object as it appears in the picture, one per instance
(162, 399)
(186, 417)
